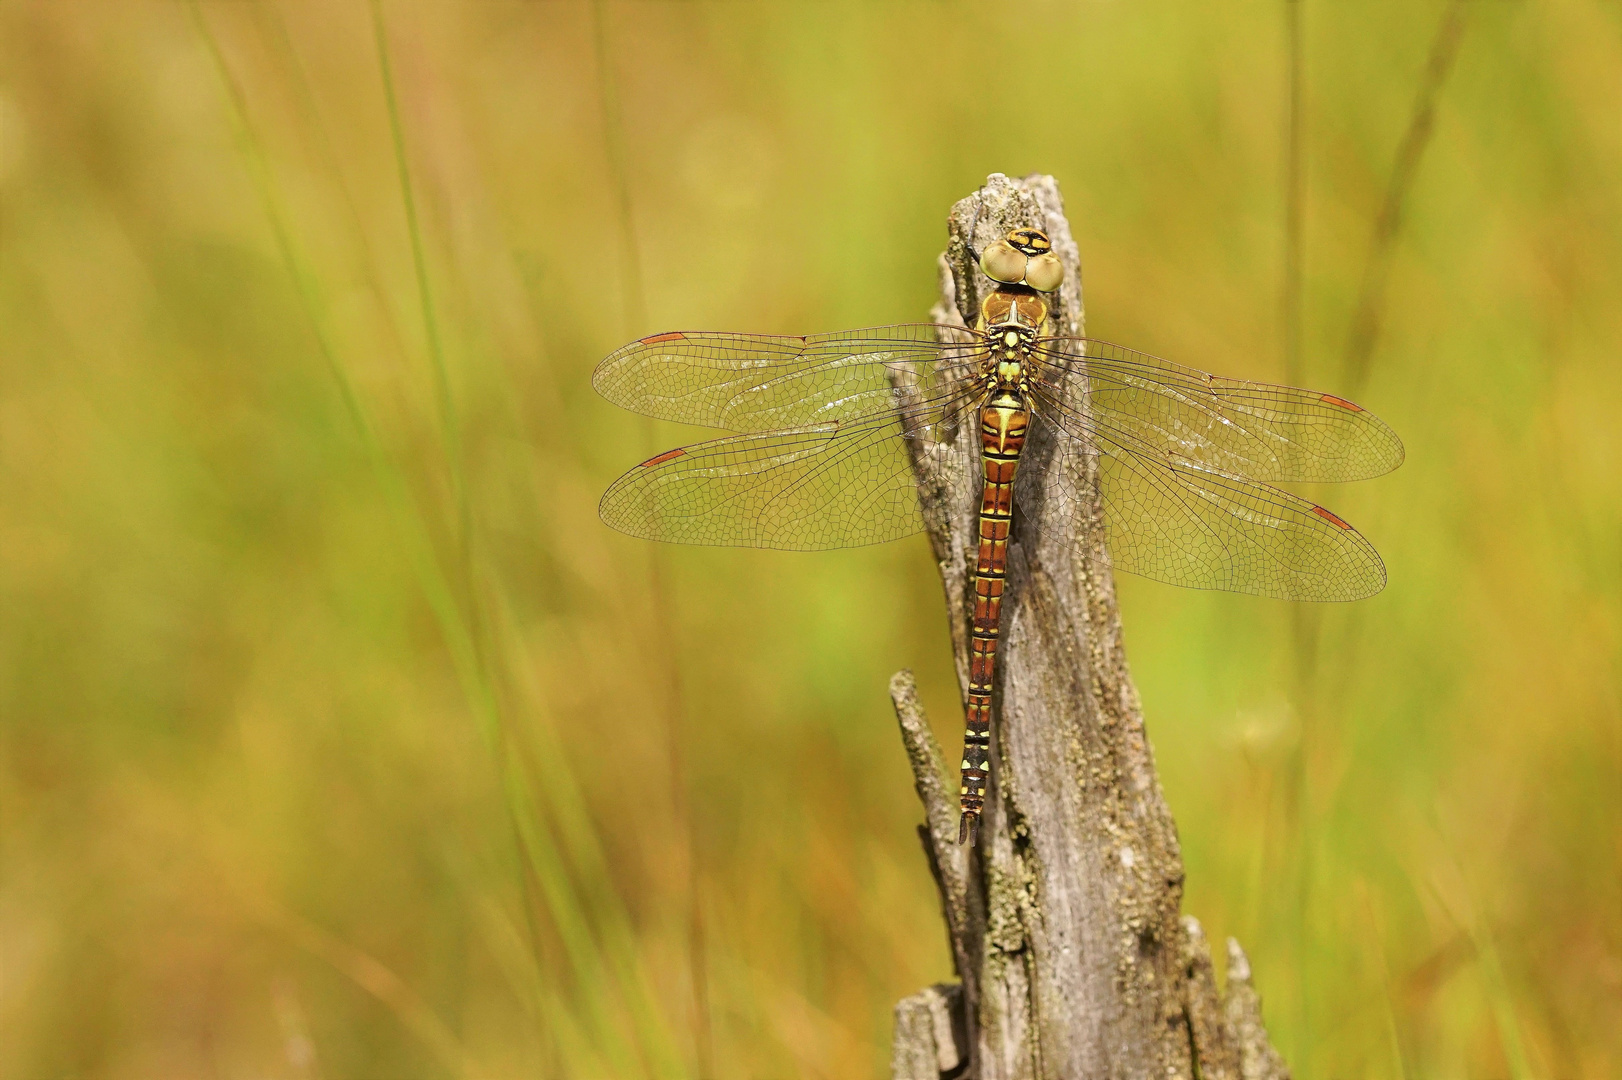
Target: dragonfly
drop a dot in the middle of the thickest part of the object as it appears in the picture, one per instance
(822, 445)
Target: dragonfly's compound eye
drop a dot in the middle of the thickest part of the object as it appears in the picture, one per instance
(1044, 273)
(1002, 263)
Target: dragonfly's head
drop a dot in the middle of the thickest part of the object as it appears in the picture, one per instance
(1023, 257)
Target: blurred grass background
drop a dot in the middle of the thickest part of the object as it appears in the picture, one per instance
(341, 740)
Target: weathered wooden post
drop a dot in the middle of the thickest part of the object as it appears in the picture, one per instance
(1064, 921)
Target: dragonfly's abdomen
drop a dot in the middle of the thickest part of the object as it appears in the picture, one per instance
(1003, 420)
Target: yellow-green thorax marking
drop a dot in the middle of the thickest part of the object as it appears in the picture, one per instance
(1012, 317)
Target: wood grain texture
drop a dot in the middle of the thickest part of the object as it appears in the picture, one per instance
(1064, 921)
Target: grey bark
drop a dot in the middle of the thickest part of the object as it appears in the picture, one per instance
(1064, 920)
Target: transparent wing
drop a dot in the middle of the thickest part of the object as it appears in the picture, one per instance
(1259, 430)
(825, 486)
(1187, 524)
(755, 382)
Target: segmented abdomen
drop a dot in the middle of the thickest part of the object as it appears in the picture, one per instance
(1003, 420)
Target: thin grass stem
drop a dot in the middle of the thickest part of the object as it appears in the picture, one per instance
(425, 295)
(1365, 326)
(663, 646)
(467, 662)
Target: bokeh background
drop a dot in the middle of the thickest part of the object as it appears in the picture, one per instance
(338, 738)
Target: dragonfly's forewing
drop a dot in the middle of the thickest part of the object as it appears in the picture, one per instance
(826, 486)
(1188, 524)
(1253, 429)
(756, 382)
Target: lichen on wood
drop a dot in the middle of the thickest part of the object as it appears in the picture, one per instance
(1064, 921)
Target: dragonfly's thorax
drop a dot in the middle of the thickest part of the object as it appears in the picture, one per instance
(1009, 364)
(1014, 305)
(1012, 318)
(1009, 359)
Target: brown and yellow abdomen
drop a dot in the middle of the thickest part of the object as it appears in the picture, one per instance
(1003, 420)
